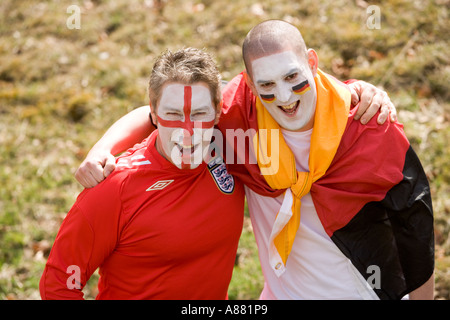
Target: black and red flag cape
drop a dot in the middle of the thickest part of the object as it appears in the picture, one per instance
(374, 200)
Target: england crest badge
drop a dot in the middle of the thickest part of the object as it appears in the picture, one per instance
(223, 179)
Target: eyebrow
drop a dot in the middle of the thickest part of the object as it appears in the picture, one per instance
(204, 108)
(292, 71)
(171, 109)
(263, 81)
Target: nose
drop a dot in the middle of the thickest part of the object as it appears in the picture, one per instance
(187, 136)
(284, 93)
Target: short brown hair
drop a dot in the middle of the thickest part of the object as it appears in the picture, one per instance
(187, 66)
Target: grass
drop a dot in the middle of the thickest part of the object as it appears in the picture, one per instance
(61, 88)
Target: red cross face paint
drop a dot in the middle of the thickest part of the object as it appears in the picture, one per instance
(186, 118)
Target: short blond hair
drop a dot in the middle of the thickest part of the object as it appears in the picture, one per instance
(187, 66)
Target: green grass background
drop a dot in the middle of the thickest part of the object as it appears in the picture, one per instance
(60, 89)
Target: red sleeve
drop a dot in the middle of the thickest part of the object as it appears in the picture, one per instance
(85, 239)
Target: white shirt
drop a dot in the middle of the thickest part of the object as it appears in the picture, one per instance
(316, 268)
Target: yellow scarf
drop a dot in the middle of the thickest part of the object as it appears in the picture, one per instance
(332, 107)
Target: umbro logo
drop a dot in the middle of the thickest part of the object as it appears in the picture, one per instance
(159, 185)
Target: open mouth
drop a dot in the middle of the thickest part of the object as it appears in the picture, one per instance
(186, 149)
(290, 109)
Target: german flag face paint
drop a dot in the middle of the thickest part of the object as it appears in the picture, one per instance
(268, 98)
(301, 88)
(285, 85)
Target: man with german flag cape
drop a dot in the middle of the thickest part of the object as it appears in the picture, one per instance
(364, 189)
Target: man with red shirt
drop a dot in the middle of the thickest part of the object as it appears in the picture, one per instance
(143, 226)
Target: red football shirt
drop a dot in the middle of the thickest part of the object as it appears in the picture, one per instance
(155, 232)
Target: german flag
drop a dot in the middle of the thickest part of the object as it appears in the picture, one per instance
(301, 88)
(269, 98)
(374, 202)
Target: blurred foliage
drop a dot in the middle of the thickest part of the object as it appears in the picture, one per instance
(61, 88)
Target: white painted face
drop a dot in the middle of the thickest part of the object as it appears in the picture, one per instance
(286, 87)
(186, 117)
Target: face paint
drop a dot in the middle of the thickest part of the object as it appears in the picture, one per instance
(185, 116)
(187, 124)
(301, 88)
(288, 80)
(269, 98)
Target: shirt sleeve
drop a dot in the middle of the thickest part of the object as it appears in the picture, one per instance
(87, 236)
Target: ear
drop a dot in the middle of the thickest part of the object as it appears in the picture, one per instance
(250, 83)
(313, 61)
(153, 117)
(218, 113)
